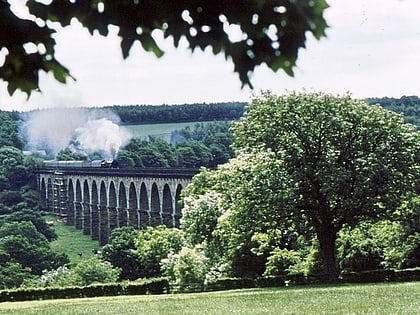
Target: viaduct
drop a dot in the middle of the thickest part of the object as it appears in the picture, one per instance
(98, 200)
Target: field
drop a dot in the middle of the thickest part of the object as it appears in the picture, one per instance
(158, 130)
(71, 241)
(385, 298)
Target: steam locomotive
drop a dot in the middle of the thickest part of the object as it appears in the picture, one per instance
(81, 164)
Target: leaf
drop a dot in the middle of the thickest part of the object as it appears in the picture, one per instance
(149, 44)
(59, 71)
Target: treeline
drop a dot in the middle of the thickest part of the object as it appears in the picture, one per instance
(135, 114)
(409, 106)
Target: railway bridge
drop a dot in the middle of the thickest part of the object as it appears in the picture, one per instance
(98, 200)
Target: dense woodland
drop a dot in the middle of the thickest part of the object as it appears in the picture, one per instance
(409, 106)
(203, 250)
(142, 114)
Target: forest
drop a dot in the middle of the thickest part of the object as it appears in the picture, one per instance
(409, 106)
(257, 208)
(141, 114)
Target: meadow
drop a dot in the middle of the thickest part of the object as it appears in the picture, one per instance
(71, 241)
(161, 130)
(381, 298)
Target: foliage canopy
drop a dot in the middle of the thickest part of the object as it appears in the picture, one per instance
(341, 160)
(270, 32)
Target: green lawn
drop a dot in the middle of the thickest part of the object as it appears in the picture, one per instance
(72, 241)
(387, 298)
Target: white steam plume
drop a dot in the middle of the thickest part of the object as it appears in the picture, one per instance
(81, 130)
(101, 136)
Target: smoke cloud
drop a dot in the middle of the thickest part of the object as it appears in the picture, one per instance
(81, 130)
(101, 136)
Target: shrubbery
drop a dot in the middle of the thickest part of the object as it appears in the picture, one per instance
(187, 269)
(86, 272)
(150, 286)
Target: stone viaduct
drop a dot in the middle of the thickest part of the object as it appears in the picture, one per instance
(98, 200)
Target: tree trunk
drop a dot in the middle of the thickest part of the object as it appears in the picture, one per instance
(327, 236)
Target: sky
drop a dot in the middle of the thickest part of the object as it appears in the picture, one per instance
(371, 50)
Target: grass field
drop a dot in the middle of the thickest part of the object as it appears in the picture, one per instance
(71, 241)
(158, 130)
(386, 298)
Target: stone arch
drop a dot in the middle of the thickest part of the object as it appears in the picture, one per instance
(112, 206)
(95, 218)
(78, 206)
(122, 206)
(43, 193)
(178, 205)
(144, 206)
(103, 215)
(133, 208)
(70, 203)
(167, 206)
(49, 193)
(103, 197)
(155, 211)
(87, 214)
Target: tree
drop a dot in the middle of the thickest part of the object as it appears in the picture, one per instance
(199, 217)
(120, 252)
(335, 161)
(12, 274)
(29, 248)
(9, 135)
(35, 218)
(271, 32)
(154, 244)
(94, 269)
(186, 269)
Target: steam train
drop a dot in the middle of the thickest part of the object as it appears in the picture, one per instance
(81, 164)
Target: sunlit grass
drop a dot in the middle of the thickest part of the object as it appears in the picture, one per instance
(72, 241)
(387, 298)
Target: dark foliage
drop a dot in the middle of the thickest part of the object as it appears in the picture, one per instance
(409, 106)
(200, 23)
(137, 114)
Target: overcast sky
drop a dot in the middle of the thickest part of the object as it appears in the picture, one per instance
(372, 49)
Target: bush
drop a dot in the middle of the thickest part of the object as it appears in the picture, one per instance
(230, 284)
(285, 280)
(187, 269)
(280, 261)
(154, 244)
(86, 272)
(149, 286)
(357, 250)
(381, 275)
(93, 270)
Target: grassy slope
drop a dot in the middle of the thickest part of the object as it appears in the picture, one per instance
(72, 241)
(386, 298)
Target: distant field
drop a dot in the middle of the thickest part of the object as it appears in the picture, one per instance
(383, 298)
(159, 130)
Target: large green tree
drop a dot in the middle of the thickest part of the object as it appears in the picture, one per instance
(271, 32)
(21, 243)
(335, 161)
